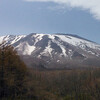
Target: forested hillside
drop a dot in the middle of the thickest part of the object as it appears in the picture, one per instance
(65, 84)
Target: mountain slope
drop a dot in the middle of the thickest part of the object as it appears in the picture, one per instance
(54, 48)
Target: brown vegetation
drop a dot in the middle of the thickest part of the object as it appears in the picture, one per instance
(65, 84)
(12, 73)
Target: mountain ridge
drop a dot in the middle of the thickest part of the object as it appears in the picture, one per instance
(74, 35)
(54, 48)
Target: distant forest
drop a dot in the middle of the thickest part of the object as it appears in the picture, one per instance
(18, 82)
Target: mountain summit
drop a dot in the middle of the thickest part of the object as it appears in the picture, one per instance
(55, 50)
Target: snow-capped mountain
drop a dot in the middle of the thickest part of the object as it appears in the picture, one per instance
(54, 48)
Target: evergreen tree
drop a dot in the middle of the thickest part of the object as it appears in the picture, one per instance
(12, 73)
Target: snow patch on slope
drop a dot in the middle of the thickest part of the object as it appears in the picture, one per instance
(11, 39)
(38, 37)
(52, 37)
(17, 38)
(48, 49)
(1, 39)
(25, 48)
(78, 42)
(62, 47)
(63, 50)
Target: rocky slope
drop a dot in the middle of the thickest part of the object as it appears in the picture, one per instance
(55, 50)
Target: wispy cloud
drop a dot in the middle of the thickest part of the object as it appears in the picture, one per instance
(93, 6)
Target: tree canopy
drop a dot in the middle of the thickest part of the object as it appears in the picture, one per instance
(12, 72)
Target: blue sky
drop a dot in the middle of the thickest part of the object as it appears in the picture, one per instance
(50, 16)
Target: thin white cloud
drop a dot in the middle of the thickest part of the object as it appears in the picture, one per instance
(93, 6)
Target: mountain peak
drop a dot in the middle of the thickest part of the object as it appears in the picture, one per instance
(53, 47)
